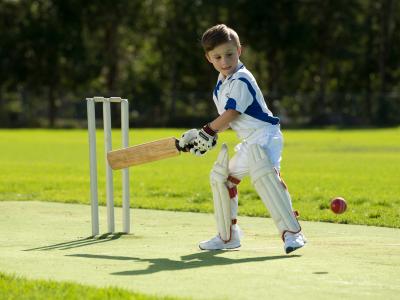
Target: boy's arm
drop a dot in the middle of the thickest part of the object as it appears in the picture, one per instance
(222, 122)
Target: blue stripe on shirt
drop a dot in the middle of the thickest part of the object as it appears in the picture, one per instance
(217, 88)
(254, 109)
(230, 104)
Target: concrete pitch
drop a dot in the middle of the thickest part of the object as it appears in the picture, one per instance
(49, 241)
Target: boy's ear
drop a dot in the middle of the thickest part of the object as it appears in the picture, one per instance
(239, 51)
(208, 58)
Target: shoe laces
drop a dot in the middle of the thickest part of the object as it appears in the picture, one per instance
(216, 238)
(293, 236)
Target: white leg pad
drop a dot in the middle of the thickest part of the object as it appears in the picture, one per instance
(222, 203)
(272, 190)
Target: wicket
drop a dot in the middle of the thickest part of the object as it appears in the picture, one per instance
(109, 175)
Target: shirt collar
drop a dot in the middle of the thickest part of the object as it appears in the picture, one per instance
(239, 66)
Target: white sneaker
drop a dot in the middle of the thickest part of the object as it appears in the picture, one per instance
(216, 243)
(294, 241)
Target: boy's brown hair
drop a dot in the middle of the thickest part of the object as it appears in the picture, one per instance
(217, 35)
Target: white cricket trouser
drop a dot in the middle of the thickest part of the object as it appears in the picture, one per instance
(271, 140)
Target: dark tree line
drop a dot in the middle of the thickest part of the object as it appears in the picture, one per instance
(319, 62)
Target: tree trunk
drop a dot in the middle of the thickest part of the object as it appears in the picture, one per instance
(173, 70)
(385, 21)
(320, 112)
(273, 73)
(111, 47)
(369, 64)
(3, 119)
(52, 106)
(111, 44)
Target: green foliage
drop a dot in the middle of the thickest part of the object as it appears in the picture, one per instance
(359, 165)
(318, 62)
(17, 288)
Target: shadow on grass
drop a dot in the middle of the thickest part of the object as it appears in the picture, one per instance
(192, 261)
(107, 237)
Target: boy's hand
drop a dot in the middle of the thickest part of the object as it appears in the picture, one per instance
(187, 138)
(206, 139)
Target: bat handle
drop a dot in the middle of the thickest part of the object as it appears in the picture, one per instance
(182, 149)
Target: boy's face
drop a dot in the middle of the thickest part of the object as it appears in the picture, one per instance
(224, 58)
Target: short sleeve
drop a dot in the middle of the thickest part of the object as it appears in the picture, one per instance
(239, 97)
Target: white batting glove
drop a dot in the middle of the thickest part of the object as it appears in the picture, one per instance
(206, 139)
(187, 139)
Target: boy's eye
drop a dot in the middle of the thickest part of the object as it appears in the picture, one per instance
(229, 54)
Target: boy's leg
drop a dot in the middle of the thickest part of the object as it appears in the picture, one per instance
(273, 191)
(226, 237)
(238, 169)
(224, 188)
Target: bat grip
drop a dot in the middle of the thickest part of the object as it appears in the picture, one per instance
(182, 149)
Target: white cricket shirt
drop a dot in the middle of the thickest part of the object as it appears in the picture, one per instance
(240, 92)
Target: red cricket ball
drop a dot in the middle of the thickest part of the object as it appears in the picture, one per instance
(338, 205)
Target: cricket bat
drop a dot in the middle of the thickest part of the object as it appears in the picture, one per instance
(144, 153)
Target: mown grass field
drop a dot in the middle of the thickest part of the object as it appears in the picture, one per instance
(17, 288)
(52, 165)
(359, 165)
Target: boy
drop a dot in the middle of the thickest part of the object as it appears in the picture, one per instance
(241, 106)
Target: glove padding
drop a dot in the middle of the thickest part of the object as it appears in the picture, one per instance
(205, 140)
(187, 139)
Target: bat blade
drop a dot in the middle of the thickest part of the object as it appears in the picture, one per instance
(144, 153)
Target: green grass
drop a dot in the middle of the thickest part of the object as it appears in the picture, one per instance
(359, 165)
(18, 288)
